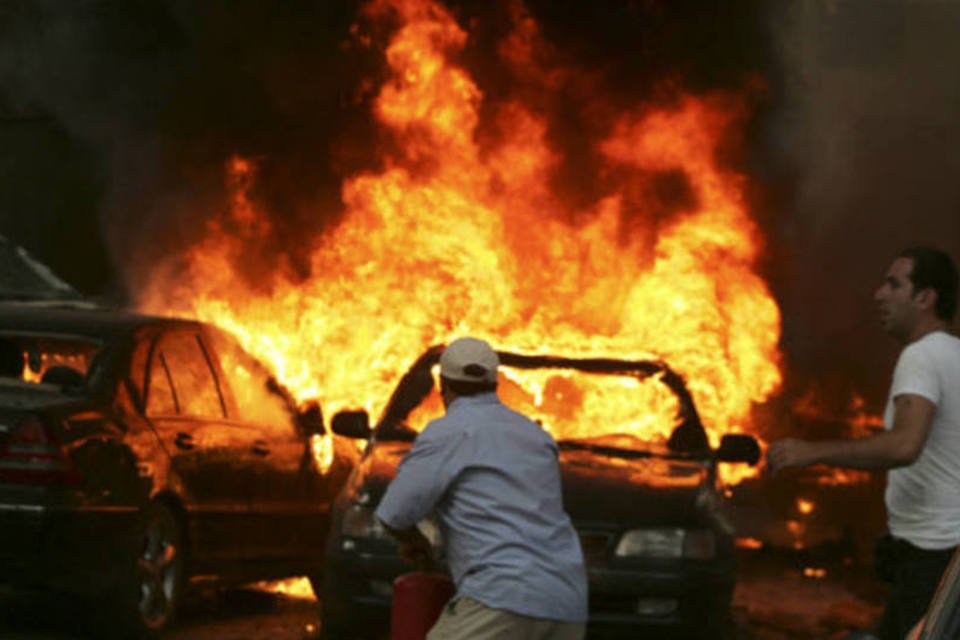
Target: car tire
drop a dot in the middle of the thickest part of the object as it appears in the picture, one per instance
(153, 584)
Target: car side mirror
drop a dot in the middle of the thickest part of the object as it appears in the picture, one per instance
(352, 424)
(739, 448)
(311, 419)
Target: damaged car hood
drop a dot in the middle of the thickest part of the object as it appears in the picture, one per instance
(606, 488)
(597, 487)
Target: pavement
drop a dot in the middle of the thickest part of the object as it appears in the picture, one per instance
(777, 598)
(781, 597)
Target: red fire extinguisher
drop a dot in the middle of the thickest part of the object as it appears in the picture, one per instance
(418, 600)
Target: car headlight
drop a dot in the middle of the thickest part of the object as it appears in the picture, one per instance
(361, 522)
(666, 543)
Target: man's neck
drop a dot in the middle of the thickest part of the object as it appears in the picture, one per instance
(924, 328)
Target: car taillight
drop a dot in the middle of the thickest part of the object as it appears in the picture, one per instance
(32, 455)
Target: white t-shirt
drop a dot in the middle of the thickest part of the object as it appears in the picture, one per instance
(923, 499)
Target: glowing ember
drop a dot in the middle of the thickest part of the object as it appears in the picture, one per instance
(458, 235)
(804, 506)
(797, 531)
(854, 415)
(749, 543)
(839, 477)
(862, 422)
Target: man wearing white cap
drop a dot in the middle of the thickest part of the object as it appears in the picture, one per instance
(492, 478)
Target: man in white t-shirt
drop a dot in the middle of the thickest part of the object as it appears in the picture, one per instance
(921, 443)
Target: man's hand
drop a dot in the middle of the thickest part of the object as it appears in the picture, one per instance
(418, 553)
(790, 452)
(413, 546)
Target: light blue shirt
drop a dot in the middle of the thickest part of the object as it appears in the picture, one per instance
(492, 478)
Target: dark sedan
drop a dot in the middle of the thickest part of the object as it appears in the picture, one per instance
(658, 546)
(139, 455)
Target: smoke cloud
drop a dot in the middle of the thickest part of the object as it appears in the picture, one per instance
(866, 135)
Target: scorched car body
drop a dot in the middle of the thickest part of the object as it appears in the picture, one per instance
(140, 453)
(658, 546)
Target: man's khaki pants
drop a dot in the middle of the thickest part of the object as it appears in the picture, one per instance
(466, 619)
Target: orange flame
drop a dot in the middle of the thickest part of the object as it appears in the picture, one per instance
(294, 588)
(458, 235)
(855, 415)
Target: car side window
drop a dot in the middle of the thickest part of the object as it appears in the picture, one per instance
(161, 400)
(195, 387)
(259, 399)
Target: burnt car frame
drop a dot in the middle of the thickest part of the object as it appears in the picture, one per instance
(132, 465)
(658, 545)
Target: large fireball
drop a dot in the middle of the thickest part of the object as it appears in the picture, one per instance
(460, 235)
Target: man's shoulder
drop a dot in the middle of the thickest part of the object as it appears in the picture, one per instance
(944, 340)
(440, 430)
(482, 418)
(931, 346)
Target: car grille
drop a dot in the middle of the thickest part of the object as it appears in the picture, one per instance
(595, 546)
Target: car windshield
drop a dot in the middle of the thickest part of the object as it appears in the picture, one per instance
(618, 405)
(50, 361)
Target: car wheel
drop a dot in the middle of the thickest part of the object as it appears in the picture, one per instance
(151, 592)
(160, 568)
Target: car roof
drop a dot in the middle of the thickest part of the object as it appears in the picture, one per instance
(77, 319)
(640, 368)
(644, 367)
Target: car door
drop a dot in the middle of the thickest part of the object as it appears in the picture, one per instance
(210, 459)
(290, 495)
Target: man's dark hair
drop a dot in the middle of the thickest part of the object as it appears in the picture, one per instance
(463, 388)
(934, 269)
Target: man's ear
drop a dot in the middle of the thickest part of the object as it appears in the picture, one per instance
(927, 298)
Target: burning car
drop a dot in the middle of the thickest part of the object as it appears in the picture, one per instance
(658, 545)
(139, 455)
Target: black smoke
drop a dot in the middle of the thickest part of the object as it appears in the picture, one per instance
(867, 131)
(131, 110)
(134, 107)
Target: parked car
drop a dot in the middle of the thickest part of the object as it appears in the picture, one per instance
(658, 546)
(139, 455)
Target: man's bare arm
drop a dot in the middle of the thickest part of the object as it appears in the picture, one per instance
(898, 447)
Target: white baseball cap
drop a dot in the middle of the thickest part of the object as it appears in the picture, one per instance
(469, 360)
